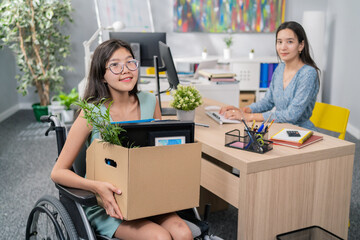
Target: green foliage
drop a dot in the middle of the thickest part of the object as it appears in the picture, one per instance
(228, 41)
(186, 98)
(101, 121)
(68, 99)
(31, 28)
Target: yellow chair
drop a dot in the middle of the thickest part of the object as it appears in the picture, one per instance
(330, 117)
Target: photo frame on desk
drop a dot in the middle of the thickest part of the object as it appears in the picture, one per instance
(161, 138)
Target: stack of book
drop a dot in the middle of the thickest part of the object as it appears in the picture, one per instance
(295, 138)
(220, 76)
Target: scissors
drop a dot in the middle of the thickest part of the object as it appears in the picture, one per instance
(260, 139)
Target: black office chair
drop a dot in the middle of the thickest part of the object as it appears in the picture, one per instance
(64, 218)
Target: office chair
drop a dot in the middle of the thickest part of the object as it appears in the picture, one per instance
(330, 117)
(64, 218)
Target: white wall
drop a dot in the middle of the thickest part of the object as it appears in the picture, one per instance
(342, 78)
(8, 95)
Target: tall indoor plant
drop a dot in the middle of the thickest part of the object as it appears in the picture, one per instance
(31, 28)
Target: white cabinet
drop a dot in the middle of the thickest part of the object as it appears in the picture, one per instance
(248, 73)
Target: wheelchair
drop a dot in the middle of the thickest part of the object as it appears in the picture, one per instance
(64, 218)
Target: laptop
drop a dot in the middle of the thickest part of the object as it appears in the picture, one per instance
(206, 64)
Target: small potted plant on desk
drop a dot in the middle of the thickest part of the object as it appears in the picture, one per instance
(185, 100)
(67, 100)
(228, 42)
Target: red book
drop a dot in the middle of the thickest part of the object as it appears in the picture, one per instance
(311, 140)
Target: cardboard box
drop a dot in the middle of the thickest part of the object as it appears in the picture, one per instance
(246, 99)
(153, 180)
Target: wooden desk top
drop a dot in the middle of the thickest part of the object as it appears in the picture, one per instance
(213, 140)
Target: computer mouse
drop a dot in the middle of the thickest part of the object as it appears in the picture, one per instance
(212, 108)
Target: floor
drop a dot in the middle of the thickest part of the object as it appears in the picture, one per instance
(26, 159)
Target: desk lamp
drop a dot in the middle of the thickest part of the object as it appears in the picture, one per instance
(116, 26)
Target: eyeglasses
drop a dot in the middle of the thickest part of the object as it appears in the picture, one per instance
(117, 68)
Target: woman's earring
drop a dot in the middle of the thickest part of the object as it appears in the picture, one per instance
(299, 52)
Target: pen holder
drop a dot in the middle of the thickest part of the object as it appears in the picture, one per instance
(234, 139)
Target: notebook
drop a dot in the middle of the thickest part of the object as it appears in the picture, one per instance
(311, 140)
(216, 73)
(283, 135)
(306, 138)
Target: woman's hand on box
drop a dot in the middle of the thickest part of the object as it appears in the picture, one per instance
(106, 192)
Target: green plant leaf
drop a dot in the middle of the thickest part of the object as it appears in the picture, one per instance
(101, 121)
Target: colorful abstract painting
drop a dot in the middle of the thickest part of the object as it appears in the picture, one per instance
(216, 16)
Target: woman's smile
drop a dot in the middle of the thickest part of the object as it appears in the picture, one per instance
(126, 79)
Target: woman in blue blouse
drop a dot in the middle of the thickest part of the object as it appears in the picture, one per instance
(294, 86)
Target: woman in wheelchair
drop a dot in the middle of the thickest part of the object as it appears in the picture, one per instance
(114, 75)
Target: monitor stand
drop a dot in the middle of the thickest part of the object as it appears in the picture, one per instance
(164, 111)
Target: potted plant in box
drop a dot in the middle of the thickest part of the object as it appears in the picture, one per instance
(101, 121)
(185, 100)
(31, 29)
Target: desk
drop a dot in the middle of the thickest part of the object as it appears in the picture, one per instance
(282, 190)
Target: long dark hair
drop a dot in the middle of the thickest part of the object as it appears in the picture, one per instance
(96, 88)
(301, 35)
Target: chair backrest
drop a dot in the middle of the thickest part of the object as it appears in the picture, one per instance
(330, 117)
(79, 165)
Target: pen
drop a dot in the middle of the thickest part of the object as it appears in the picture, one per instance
(253, 141)
(267, 120)
(264, 123)
(253, 125)
(202, 125)
(261, 127)
(268, 127)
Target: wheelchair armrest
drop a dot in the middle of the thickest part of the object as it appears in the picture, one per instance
(80, 196)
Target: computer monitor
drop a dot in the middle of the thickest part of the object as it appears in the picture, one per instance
(163, 132)
(168, 65)
(165, 63)
(145, 45)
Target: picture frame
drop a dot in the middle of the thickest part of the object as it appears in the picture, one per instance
(166, 141)
(162, 138)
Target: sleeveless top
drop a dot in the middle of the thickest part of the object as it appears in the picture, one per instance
(147, 103)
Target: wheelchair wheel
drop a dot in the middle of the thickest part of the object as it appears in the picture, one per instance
(50, 220)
